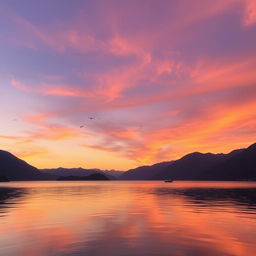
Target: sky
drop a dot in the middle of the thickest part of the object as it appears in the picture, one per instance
(119, 84)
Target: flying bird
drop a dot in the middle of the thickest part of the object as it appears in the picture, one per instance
(81, 126)
(91, 118)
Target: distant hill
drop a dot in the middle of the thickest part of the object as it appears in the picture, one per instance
(111, 174)
(145, 172)
(69, 171)
(14, 168)
(114, 173)
(95, 176)
(237, 165)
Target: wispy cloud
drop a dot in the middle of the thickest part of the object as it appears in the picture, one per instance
(159, 80)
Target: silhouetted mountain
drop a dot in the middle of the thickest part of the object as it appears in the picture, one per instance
(191, 166)
(95, 176)
(240, 165)
(14, 168)
(111, 174)
(69, 171)
(145, 172)
(237, 165)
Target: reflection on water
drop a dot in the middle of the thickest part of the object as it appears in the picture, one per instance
(211, 198)
(128, 218)
(9, 197)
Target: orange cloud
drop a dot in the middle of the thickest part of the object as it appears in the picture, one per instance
(32, 152)
(55, 133)
(60, 91)
(7, 137)
(38, 118)
(49, 131)
(162, 87)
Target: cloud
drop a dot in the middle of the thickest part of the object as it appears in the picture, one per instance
(250, 13)
(31, 152)
(162, 79)
(48, 130)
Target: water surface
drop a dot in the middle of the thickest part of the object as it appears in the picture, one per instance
(128, 218)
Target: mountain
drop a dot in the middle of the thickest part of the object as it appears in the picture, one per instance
(237, 165)
(240, 165)
(145, 172)
(14, 168)
(113, 173)
(69, 171)
(95, 176)
(191, 166)
(63, 172)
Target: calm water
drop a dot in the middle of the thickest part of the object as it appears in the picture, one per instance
(128, 218)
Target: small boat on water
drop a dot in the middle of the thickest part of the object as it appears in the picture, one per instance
(168, 181)
(4, 179)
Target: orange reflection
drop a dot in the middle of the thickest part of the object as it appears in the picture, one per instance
(63, 217)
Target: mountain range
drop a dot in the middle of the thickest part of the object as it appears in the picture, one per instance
(94, 176)
(237, 165)
(14, 168)
(64, 172)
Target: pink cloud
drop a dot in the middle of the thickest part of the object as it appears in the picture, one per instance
(150, 71)
(250, 13)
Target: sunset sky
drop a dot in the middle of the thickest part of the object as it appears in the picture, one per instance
(118, 84)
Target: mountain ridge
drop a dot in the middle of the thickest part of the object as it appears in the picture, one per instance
(14, 168)
(239, 164)
(202, 166)
(82, 172)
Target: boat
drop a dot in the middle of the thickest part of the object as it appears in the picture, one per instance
(4, 179)
(168, 181)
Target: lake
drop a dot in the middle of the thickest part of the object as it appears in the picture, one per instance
(127, 218)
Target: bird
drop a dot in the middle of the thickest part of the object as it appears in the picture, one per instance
(91, 118)
(81, 126)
